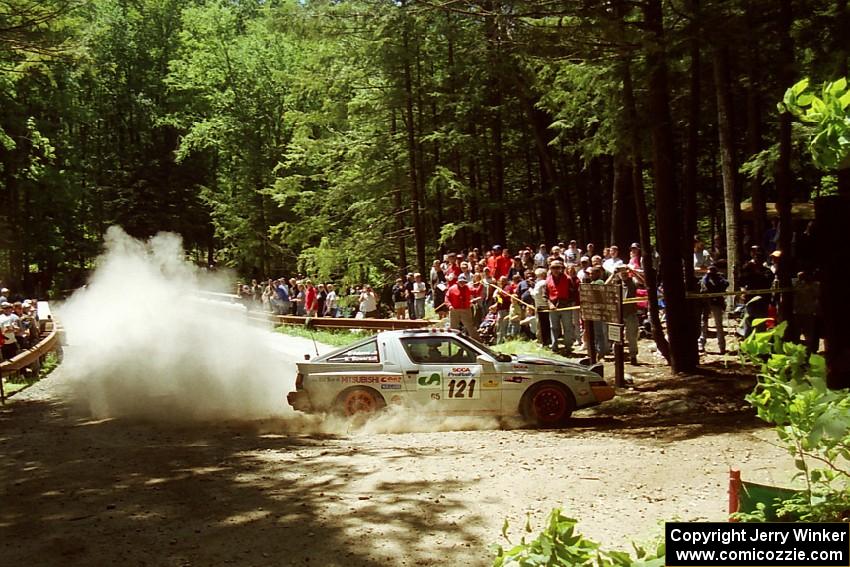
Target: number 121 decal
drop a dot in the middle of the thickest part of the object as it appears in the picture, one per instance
(461, 389)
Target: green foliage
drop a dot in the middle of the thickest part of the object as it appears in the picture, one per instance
(322, 336)
(828, 115)
(559, 543)
(811, 420)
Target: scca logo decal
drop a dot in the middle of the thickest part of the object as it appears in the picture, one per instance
(432, 380)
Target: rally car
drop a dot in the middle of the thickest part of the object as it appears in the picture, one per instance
(445, 372)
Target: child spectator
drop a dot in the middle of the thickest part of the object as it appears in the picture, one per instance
(487, 328)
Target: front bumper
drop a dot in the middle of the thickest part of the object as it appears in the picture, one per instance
(602, 393)
(300, 400)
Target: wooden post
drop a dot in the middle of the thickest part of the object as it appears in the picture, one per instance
(619, 355)
(734, 490)
(589, 339)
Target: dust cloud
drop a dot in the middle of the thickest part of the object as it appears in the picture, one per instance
(143, 344)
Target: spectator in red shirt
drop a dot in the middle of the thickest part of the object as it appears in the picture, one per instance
(559, 287)
(504, 263)
(452, 265)
(459, 298)
(310, 297)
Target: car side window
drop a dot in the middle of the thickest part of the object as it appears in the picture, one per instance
(367, 352)
(437, 350)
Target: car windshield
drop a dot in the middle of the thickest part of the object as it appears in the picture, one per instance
(487, 350)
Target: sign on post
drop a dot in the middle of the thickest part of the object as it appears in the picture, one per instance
(615, 332)
(600, 302)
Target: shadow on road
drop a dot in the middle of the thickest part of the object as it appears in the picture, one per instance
(83, 492)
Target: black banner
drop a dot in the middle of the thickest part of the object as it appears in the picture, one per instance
(691, 544)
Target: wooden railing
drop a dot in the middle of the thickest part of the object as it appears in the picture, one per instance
(48, 342)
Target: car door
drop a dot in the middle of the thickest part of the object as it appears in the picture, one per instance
(443, 372)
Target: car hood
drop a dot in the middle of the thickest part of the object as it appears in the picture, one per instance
(539, 360)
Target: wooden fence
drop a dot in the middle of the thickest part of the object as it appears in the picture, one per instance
(48, 342)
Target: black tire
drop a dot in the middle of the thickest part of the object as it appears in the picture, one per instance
(359, 400)
(547, 404)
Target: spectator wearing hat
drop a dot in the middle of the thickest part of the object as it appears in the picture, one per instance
(713, 282)
(560, 294)
(22, 333)
(9, 328)
(504, 263)
(541, 306)
(4, 295)
(634, 257)
(459, 298)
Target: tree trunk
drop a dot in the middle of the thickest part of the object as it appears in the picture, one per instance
(397, 205)
(642, 214)
(784, 182)
(418, 237)
(728, 164)
(683, 351)
(754, 123)
(497, 164)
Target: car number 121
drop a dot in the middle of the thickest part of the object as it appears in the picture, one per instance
(461, 388)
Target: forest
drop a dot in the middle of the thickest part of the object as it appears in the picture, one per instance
(356, 139)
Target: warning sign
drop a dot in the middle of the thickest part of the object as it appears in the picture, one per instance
(600, 302)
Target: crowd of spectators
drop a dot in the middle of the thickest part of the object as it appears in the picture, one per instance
(19, 329)
(497, 295)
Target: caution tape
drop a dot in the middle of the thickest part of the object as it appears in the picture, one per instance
(741, 292)
(633, 300)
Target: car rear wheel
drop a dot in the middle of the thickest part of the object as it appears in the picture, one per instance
(359, 400)
(548, 404)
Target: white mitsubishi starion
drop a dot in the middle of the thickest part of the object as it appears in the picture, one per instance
(446, 372)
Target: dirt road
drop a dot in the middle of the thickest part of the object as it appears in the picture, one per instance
(77, 491)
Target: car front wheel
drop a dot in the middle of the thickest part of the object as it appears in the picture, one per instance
(359, 400)
(548, 404)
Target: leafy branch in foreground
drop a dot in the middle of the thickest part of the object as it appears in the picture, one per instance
(560, 544)
(811, 420)
(829, 117)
